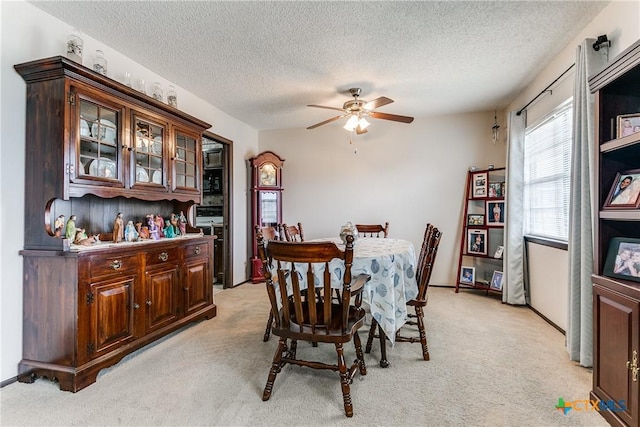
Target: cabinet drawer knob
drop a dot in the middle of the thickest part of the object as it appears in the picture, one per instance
(116, 264)
(136, 306)
(197, 250)
(163, 256)
(148, 302)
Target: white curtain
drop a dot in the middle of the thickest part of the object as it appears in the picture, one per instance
(580, 310)
(513, 291)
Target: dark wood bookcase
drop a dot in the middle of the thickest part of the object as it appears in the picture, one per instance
(616, 300)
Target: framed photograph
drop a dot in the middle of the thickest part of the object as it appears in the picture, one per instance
(495, 189)
(479, 184)
(475, 219)
(496, 280)
(477, 241)
(499, 252)
(623, 259)
(495, 213)
(628, 124)
(625, 191)
(468, 275)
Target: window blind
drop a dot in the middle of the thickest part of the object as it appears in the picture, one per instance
(547, 173)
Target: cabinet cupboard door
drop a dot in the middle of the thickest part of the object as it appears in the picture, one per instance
(160, 299)
(617, 335)
(111, 315)
(197, 287)
(148, 151)
(186, 162)
(96, 154)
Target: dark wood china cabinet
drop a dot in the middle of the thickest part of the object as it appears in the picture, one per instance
(96, 148)
(616, 297)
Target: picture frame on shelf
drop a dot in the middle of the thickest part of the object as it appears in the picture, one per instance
(495, 213)
(499, 252)
(625, 191)
(468, 275)
(496, 280)
(628, 124)
(479, 184)
(495, 189)
(475, 219)
(623, 259)
(477, 241)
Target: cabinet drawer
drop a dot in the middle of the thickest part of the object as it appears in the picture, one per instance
(160, 256)
(101, 265)
(196, 250)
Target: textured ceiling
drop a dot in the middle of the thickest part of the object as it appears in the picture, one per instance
(263, 62)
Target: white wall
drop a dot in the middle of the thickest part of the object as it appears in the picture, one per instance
(408, 175)
(620, 21)
(29, 34)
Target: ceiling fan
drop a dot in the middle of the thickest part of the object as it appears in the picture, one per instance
(358, 109)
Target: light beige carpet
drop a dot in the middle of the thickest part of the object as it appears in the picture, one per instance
(491, 365)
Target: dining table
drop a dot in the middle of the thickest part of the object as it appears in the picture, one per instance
(391, 263)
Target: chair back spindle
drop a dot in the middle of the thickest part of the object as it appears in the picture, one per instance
(373, 230)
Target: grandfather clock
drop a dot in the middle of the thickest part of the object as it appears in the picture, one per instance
(266, 200)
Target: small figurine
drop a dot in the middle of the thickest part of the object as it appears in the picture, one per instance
(70, 229)
(118, 229)
(130, 233)
(174, 223)
(153, 228)
(143, 231)
(58, 226)
(84, 240)
(160, 224)
(169, 231)
(182, 224)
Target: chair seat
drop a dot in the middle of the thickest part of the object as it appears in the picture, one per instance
(333, 333)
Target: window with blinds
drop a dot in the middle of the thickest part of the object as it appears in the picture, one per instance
(547, 172)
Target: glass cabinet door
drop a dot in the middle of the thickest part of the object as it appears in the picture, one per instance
(99, 142)
(185, 162)
(268, 208)
(148, 149)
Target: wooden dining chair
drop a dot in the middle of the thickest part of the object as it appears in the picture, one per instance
(426, 259)
(268, 233)
(293, 233)
(301, 315)
(373, 230)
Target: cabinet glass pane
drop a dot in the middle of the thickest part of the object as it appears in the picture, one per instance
(149, 147)
(269, 208)
(185, 161)
(98, 148)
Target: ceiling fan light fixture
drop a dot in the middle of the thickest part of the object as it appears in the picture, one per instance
(363, 123)
(356, 110)
(352, 123)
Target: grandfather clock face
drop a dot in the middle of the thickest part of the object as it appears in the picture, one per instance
(268, 175)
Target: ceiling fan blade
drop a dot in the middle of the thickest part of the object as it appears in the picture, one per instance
(378, 102)
(360, 131)
(326, 121)
(394, 117)
(328, 108)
